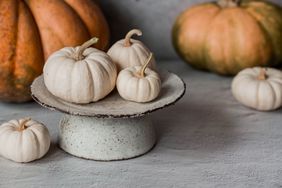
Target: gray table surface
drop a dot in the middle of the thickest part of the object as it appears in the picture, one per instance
(206, 140)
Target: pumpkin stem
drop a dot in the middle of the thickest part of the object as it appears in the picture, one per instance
(128, 36)
(79, 53)
(23, 124)
(262, 74)
(228, 3)
(142, 71)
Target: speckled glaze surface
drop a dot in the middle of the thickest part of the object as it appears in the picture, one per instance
(106, 139)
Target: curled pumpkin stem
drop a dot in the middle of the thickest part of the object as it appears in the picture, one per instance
(262, 74)
(128, 36)
(23, 124)
(142, 71)
(79, 54)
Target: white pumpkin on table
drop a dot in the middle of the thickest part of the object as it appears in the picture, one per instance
(129, 52)
(259, 88)
(139, 83)
(24, 140)
(81, 74)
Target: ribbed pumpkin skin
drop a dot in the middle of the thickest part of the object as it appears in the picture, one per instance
(227, 40)
(31, 30)
(21, 57)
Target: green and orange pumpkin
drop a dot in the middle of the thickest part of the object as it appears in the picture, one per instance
(229, 35)
(31, 30)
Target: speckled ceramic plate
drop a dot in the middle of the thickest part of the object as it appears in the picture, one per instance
(112, 106)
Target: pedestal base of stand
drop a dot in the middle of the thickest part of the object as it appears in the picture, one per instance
(106, 139)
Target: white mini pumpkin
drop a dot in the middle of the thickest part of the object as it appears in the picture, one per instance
(80, 75)
(139, 83)
(23, 140)
(129, 52)
(259, 88)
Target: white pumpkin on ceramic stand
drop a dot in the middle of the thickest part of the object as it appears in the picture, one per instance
(259, 88)
(139, 83)
(23, 140)
(129, 52)
(81, 74)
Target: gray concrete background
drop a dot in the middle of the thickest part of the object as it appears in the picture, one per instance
(154, 17)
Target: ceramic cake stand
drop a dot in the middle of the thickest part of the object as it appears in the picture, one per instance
(110, 129)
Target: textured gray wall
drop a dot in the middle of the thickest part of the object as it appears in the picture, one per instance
(154, 17)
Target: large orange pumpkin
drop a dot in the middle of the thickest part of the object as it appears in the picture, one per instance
(31, 30)
(230, 35)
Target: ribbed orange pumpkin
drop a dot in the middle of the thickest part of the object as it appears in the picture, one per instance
(228, 36)
(31, 30)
